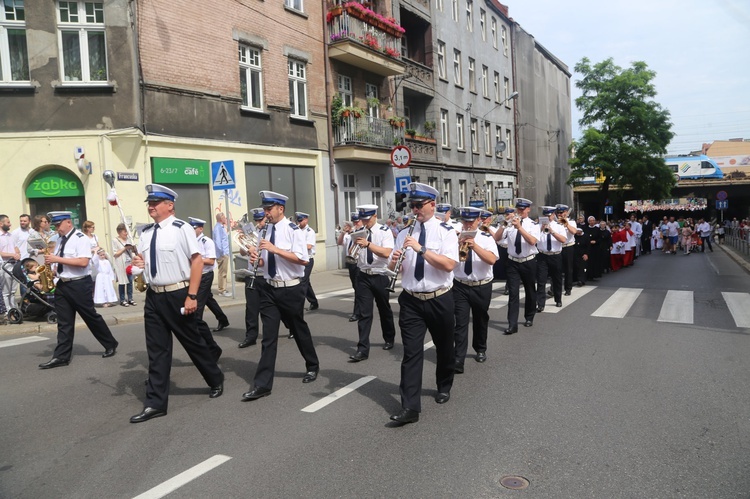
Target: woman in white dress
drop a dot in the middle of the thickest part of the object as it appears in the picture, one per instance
(104, 290)
(122, 251)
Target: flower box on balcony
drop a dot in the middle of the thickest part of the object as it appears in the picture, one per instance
(372, 18)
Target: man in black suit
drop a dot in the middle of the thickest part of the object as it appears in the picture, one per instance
(648, 231)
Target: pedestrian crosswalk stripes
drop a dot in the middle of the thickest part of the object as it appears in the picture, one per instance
(739, 307)
(618, 305)
(677, 307)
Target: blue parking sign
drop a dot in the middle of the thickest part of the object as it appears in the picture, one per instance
(402, 184)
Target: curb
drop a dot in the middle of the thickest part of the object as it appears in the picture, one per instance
(739, 259)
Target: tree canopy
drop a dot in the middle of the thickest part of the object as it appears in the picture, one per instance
(625, 132)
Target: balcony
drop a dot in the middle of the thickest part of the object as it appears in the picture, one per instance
(364, 41)
(420, 78)
(366, 139)
(422, 150)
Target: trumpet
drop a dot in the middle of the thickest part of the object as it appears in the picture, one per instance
(411, 223)
(251, 283)
(546, 229)
(486, 226)
(463, 251)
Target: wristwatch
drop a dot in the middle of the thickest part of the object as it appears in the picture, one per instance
(422, 251)
(192, 297)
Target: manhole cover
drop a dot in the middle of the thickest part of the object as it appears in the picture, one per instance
(514, 482)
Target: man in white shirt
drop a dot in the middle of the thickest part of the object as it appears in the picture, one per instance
(705, 231)
(345, 241)
(303, 220)
(21, 235)
(10, 254)
(673, 235)
(549, 260)
(637, 229)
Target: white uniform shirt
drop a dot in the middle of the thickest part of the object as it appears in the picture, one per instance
(288, 237)
(556, 245)
(77, 247)
(570, 235)
(20, 239)
(440, 238)
(480, 270)
(526, 248)
(380, 236)
(207, 249)
(175, 246)
(309, 240)
(637, 229)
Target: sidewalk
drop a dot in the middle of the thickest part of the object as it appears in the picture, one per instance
(322, 282)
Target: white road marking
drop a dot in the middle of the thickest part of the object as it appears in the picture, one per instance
(575, 294)
(337, 394)
(711, 263)
(739, 307)
(428, 345)
(677, 307)
(331, 294)
(183, 478)
(21, 341)
(618, 305)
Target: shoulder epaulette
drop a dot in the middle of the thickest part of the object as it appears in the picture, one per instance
(178, 223)
(293, 225)
(79, 234)
(383, 227)
(149, 227)
(203, 239)
(486, 234)
(446, 226)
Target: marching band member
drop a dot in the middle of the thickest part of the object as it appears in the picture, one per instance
(430, 252)
(372, 282)
(346, 242)
(568, 250)
(549, 260)
(303, 220)
(522, 236)
(207, 249)
(443, 212)
(283, 256)
(501, 267)
(472, 288)
(252, 296)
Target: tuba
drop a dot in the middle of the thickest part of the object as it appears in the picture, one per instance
(353, 255)
(245, 240)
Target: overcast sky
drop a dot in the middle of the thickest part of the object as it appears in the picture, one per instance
(699, 50)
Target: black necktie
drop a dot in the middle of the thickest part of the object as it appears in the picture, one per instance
(152, 251)
(271, 256)
(369, 253)
(549, 242)
(467, 263)
(518, 241)
(419, 268)
(61, 254)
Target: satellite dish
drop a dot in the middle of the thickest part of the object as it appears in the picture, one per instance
(500, 147)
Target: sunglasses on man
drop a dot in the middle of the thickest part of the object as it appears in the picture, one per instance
(418, 204)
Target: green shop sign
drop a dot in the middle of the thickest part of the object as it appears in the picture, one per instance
(54, 184)
(180, 171)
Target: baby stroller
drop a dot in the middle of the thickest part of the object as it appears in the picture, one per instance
(35, 305)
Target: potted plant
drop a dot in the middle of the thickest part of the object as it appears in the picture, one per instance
(354, 111)
(429, 128)
(373, 102)
(410, 132)
(397, 121)
(336, 105)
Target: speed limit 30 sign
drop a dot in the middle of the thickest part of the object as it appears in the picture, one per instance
(401, 157)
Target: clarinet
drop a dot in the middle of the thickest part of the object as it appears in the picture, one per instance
(392, 285)
(261, 236)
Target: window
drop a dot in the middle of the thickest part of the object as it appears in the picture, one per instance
(506, 91)
(487, 144)
(498, 139)
(504, 40)
(485, 82)
(508, 143)
(460, 132)
(457, 67)
(474, 138)
(432, 182)
(250, 78)
(297, 89)
(404, 47)
(294, 4)
(472, 75)
(454, 9)
(482, 23)
(376, 189)
(469, 19)
(14, 55)
(462, 192)
(345, 90)
(444, 127)
(82, 42)
(441, 60)
(493, 32)
(496, 86)
(488, 194)
(446, 190)
(373, 108)
(350, 194)
(439, 5)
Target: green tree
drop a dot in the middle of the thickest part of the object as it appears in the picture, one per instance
(626, 132)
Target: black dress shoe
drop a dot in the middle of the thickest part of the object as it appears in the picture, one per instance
(458, 367)
(558, 304)
(567, 293)
(291, 336)
(511, 330)
(313, 306)
(550, 294)
(146, 414)
(256, 393)
(247, 343)
(222, 325)
(442, 398)
(310, 376)
(481, 357)
(353, 318)
(357, 357)
(406, 416)
(388, 345)
(506, 291)
(540, 309)
(109, 352)
(55, 362)
(216, 391)
(528, 323)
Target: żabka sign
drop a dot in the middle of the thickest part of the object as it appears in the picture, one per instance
(54, 183)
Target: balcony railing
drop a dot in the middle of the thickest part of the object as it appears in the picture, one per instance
(348, 27)
(368, 131)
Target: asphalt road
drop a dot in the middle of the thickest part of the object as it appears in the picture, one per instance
(599, 399)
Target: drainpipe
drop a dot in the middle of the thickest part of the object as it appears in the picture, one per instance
(516, 128)
(331, 162)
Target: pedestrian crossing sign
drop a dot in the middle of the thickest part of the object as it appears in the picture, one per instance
(222, 175)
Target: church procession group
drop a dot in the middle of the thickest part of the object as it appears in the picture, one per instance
(446, 271)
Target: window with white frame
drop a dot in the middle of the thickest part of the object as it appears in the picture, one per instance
(509, 143)
(493, 31)
(407, 116)
(488, 194)
(504, 40)
(432, 182)
(82, 42)
(496, 86)
(457, 67)
(404, 47)
(469, 17)
(349, 190)
(444, 127)
(373, 106)
(462, 192)
(454, 9)
(439, 5)
(506, 91)
(294, 4)
(297, 88)
(472, 75)
(474, 138)
(251, 83)
(441, 60)
(376, 189)
(14, 54)
(460, 132)
(485, 81)
(498, 139)
(487, 143)
(345, 90)
(482, 24)
(446, 190)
